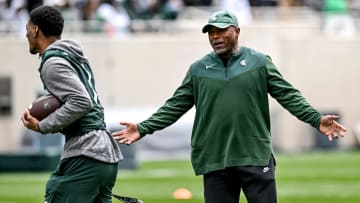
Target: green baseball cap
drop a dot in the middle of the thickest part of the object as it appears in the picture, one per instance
(221, 19)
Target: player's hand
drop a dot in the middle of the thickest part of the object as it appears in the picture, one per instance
(331, 128)
(128, 135)
(29, 121)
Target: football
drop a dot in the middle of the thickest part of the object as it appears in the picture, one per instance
(43, 106)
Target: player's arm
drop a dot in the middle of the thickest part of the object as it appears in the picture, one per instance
(63, 82)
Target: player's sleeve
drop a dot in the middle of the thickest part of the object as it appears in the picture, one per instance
(176, 106)
(62, 81)
(289, 97)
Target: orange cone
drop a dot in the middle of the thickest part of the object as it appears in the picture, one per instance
(182, 193)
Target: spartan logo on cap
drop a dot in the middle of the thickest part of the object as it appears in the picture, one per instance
(213, 18)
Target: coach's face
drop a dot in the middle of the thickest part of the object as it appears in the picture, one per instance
(224, 41)
(32, 32)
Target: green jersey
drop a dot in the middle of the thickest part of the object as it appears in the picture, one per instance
(93, 119)
(232, 119)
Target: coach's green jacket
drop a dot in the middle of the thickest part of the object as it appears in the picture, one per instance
(232, 120)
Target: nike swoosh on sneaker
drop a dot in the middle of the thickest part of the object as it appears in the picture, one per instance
(266, 169)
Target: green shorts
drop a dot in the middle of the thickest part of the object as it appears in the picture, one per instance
(81, 179)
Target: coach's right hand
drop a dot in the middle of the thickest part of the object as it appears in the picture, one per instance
(128, 135)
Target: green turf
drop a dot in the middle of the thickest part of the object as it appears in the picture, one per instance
(322, 177)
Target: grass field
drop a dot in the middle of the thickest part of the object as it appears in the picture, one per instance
(322, 177)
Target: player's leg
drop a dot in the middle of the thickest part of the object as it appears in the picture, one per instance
(107, 179)
(80, 179)
(258, 183)
(221, 186)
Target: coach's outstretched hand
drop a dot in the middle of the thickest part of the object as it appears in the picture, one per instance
(331, 128)
(128, 135)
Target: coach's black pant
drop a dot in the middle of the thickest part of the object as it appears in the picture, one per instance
(257, 183)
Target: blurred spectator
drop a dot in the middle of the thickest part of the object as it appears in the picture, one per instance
(241, 8)
(170, 9)
(87, 12)
(136, 9)
(66, 7)
(314, 4)
(142, 9)
(150, 9)
(263, 2)
(114, 18)
(337, 18)
(147, 15)
(289, 3)
(198, 2)
(15, 16)
(59, 4)
(87, 9)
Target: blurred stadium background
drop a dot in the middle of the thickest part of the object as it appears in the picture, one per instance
(139, 56)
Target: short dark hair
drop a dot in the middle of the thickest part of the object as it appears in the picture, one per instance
(49, 20)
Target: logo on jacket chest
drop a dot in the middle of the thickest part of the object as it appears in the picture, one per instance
(243, 62)
(209, 66)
